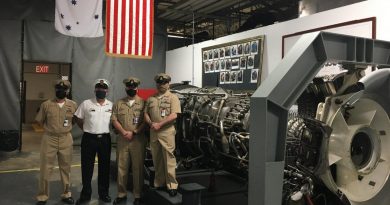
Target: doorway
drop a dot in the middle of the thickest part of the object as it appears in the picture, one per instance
(38, 80)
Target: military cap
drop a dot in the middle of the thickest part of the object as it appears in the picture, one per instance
(102, 83)
(62, 84)
(131, 82)
(162, 77)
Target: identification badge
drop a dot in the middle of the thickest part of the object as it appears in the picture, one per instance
(135, 120)
(163, 113)
(66, 123)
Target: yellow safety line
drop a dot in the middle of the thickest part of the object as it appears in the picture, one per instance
(33, 169)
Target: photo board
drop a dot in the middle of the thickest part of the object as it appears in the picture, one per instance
(235, 65)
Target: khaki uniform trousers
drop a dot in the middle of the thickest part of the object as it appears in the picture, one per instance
(162, 145)
(131, 153)
(52, 146)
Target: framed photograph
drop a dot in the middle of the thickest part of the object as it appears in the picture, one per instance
(222, 78)
(251, 62)
(221, 53)
(211, 65)
(206, 67)
(205, 56)
(254, 47)
(215, 54)
(254, 75)
(222, 65)
(227, 52)
(240, 76)
(235, 63)
(247, 48)
(228, 64)
(233, 77)
(243, 62)
(216, 66)
(210, 54)
(240, 49)
(227, 77)
(233, 51)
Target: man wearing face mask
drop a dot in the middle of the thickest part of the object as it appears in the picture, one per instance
(160, 113)
(56, 117)
(93, 117)
(127, 118)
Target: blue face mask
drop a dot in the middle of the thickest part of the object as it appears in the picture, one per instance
(100, 94)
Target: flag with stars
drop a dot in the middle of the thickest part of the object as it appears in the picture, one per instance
(79, 18)
(129, 28)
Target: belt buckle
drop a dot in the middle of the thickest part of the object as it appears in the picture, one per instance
(99, 136)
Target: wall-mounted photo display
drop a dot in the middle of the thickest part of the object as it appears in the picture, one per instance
(205, 56)
(240, 76)
(235, 65)
(216, 66)
(233, 52)
(222, 65)
(254, 47)
(233, 77)
(250, 62)
(222, 78)
(254, 75)
(228, 64)
(243, 63)
(247, 48)
(227, 51)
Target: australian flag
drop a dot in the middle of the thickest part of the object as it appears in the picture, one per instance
(79, 18)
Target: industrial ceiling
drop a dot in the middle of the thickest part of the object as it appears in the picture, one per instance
(209, 19)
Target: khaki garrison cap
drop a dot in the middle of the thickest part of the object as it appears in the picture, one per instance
(161, 77)
(131, 81)
(62, 83)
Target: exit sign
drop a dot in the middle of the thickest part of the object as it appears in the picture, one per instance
(42, 69)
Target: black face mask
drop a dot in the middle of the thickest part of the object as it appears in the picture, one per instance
(131, 92)
(60, 94)
(100, 94)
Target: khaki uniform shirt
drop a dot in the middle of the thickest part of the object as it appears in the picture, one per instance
(56, 119)
(160, 107)
(130, 117)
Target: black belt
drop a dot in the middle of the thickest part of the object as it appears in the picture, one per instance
(97, 135)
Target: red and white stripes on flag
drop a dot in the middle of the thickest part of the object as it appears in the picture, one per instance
(129, 28)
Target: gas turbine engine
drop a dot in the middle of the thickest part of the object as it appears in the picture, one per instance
(340, 138)
(337, 144)
(213, 128)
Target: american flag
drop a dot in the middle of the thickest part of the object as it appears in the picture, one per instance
(129, 28)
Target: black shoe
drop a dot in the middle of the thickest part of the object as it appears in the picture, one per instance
(161, 188)
(40, 203)
(68, 200)
(172, 192)
(105, 199)
(82, 200)
(119, 200)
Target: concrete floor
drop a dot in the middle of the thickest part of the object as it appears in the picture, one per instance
(19, 174)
